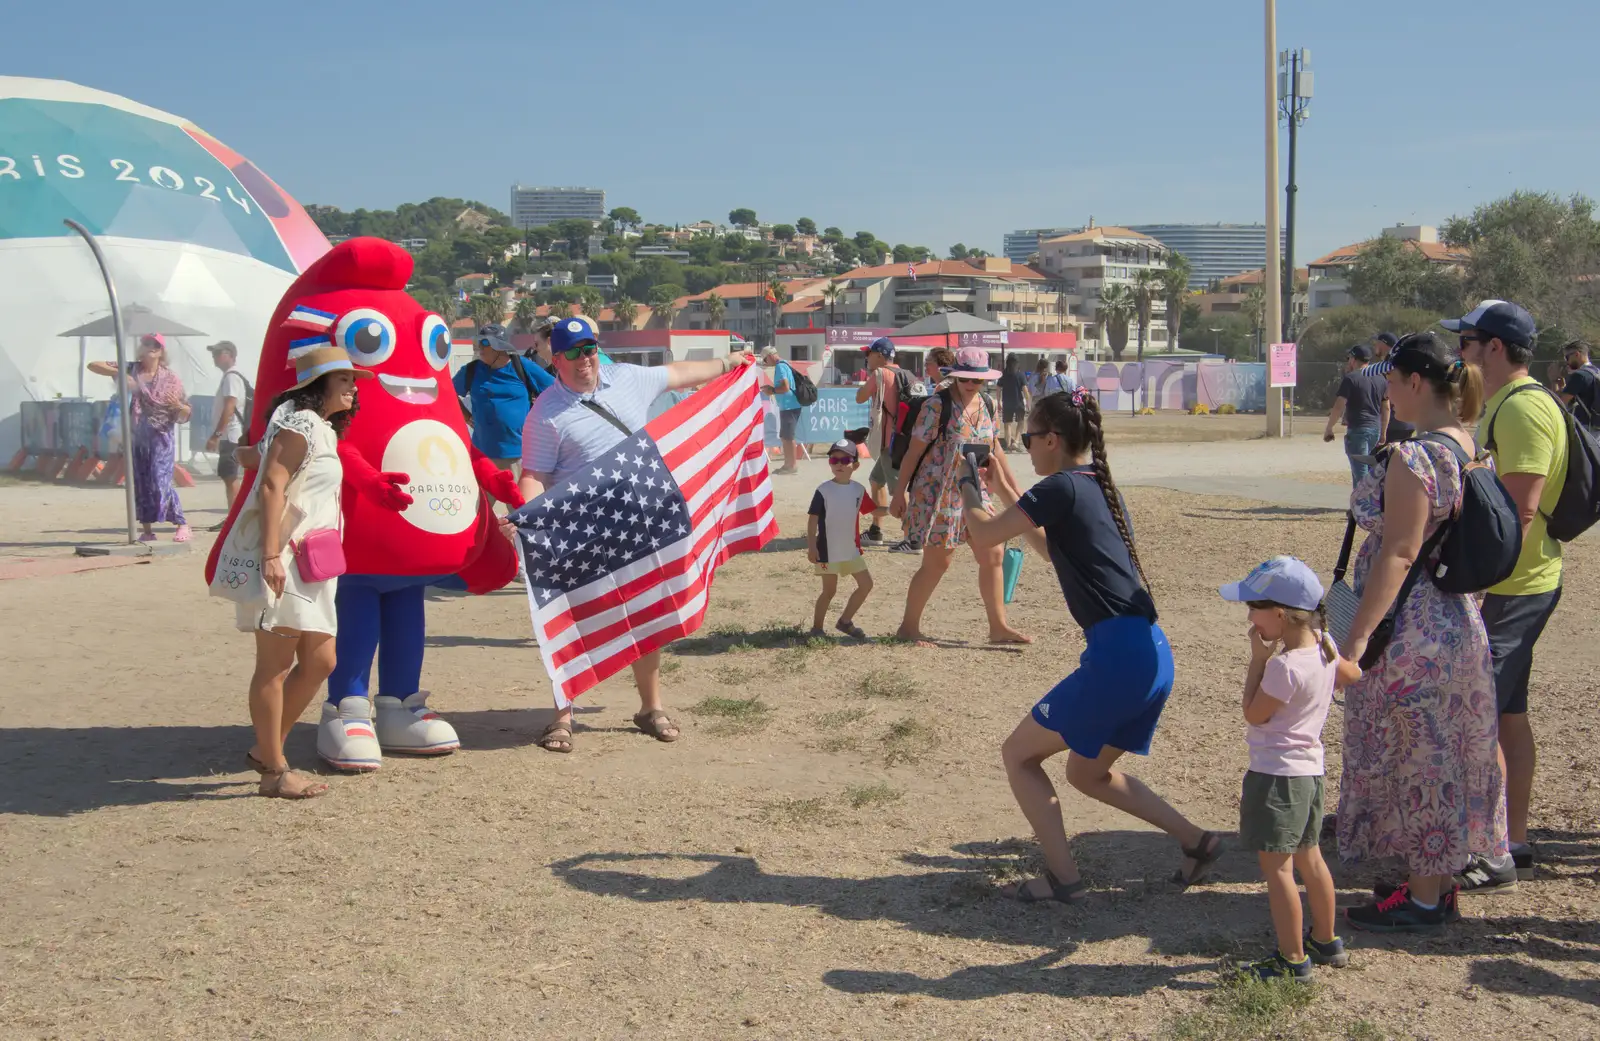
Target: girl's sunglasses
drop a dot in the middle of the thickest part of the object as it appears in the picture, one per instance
(970, 383)
(1029, 435)
(583, 350)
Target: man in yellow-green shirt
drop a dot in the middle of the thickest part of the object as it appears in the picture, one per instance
(1524, 429)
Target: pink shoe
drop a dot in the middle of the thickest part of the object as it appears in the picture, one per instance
(183, 534)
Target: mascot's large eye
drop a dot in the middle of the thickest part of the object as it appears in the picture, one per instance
(436, 341)
(367, 334)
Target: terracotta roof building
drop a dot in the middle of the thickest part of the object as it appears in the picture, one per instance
(1330, 273)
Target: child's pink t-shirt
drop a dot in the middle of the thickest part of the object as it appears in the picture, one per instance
(1290, 743)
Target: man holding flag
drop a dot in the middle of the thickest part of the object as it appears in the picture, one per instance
(627, 520)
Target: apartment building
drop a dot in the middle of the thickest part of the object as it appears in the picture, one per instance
(533, 207)
(1330, 273)
(1215, 251)
(1088, 261)
(1231, 295)
(992, 288)
(1019, 245)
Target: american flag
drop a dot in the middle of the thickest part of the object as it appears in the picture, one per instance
(620, 558)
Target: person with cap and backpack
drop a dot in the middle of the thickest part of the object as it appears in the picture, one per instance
(889, 388)
(1421, 780)
(1526, 430)
(1580, 387)
(499, 387)
(782, 391)
(956, 420)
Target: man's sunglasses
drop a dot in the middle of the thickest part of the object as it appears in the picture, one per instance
(1466, 338)
(583, 350)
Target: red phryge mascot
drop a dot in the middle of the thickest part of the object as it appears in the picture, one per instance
(415, 496)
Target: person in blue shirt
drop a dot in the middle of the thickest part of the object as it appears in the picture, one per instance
(782, 393)
(499, 387)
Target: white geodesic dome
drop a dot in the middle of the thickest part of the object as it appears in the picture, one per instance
(192, 232)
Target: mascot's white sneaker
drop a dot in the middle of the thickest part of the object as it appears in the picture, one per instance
(347, 740)
(410, 727)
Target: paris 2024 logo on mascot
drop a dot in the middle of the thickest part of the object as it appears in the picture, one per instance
(415, 497)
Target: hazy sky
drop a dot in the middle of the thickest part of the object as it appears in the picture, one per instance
(927, 123)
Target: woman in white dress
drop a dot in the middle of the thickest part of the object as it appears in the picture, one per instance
(293, 619)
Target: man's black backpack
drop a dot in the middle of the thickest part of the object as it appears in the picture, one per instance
(248, 405)
(1578, 507)
(1477, 548)
(804, 390)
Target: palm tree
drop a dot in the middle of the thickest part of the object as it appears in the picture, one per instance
(1114, 311)
(1175, 285)
(487, 310)
(923, 310)
(624, 311)
(663, 301)
(716, 309)
(591, 302)
(780, 296)
(1147, 289)
(831, 294)
(1255, 309)
(527, 313)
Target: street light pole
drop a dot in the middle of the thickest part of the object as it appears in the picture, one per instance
(1294, 92)
(1273, 273)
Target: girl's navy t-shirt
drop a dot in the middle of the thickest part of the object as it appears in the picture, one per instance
(1092, 564)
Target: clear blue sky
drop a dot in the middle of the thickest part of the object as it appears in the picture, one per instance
(926, 123)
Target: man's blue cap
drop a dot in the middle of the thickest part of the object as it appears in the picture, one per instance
(1361, 352)
(1498, 320)
(572, 332)
(882, 345)
(1282, 580)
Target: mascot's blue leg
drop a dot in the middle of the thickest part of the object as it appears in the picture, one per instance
(347, 738)
(404, 721)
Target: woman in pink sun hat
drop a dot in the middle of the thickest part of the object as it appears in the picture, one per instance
(958, 418)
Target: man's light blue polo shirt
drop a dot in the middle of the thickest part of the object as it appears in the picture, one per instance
(562, 435)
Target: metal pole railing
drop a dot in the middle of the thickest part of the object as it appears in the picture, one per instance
(122, 375)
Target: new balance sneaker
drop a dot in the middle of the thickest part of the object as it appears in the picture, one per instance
(1447, 900)
(1482, 878)
(346, 739)
(410, 727)
(1330, 953)
(1276, 967)
(1397, 913)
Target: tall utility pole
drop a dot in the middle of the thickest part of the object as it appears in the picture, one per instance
(1294, 94)
(1273, 272)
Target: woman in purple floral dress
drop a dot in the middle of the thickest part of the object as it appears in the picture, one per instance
(1421, 780)
(159, 405)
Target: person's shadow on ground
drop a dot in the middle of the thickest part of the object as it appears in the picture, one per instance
(1131, 897)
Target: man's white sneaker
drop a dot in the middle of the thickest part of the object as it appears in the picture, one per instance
(347, 740)
(410, 727)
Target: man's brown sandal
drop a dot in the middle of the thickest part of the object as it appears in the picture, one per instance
(656, 723)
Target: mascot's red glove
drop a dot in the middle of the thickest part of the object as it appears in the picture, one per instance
(367, 480)
(501, 484)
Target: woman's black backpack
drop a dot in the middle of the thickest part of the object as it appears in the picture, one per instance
(1478, 547)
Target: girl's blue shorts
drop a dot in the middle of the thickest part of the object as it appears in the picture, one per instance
(1116, 696)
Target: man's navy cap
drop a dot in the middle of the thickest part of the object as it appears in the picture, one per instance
(494, 336)
(572, 332)
(1387, 339)
(1497, 319)
(1361, 352)
(882, 345)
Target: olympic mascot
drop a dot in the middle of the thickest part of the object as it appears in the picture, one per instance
(415, 497)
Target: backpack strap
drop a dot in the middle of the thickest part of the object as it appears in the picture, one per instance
(1489, 437)
(522, 373)
(606, 414)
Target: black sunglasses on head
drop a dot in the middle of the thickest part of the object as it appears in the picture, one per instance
(583, 350)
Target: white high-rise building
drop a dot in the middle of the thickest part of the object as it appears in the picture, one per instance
(533, 207)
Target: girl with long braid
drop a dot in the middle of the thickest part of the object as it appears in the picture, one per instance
(1076, 517)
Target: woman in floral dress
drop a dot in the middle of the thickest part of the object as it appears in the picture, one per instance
(1421, 780)
(932, 510)
(159, 405)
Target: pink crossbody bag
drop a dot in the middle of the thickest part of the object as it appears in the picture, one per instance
(320, 555)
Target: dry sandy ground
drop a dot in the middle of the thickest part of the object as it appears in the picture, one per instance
(823, 863)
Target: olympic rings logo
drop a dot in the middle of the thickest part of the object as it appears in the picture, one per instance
(448, 507)
(235, 579)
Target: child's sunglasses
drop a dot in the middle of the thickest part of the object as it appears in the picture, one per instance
(583, 350)
(840, 460)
